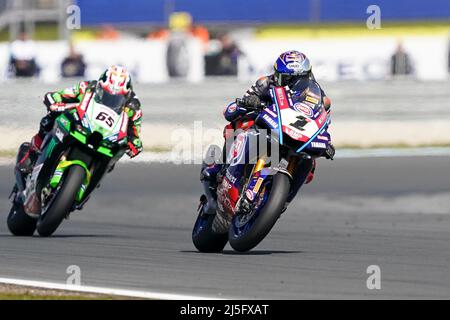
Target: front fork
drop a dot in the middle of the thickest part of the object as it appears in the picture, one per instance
(297, 167)
(300, 165)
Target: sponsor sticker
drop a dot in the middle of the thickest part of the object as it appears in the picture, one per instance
(293, 133)
(230, 177)
(249, 194)
(258, 185)
(85, 101)
(303, 108)
(319, 145)
(322, 118)
(273, 114)
(59, 134)
(270, 121)
(64, 122)
(322, 138)
(238, 148)
(312, 99)
(294, 66)
(280, 96)
(232, 108)
(312, 94)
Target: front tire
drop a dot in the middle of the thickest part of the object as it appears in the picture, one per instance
(204, 238)
(19, 223)
(266, 219)
(62, 203)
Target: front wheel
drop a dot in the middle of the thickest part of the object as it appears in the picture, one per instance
(62, 202)
(204, 238)
(247, 231)
(19, 223)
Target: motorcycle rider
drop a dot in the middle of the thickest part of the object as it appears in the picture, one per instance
(114, 83)
(289, 68)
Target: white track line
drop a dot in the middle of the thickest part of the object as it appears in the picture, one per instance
(101, 290)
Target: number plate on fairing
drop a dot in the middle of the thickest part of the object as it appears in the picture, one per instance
(104, 117)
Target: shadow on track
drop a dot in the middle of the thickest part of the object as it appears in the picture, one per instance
(250, 253)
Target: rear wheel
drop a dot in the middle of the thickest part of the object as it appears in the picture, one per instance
(60, 206)
(19, 223)
(204, 238)
(247, 231)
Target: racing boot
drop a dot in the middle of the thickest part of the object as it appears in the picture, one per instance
(30, 154)
(209, 174)
(208, 177)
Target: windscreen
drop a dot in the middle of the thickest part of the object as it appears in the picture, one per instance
(307, 90)
(114, 101)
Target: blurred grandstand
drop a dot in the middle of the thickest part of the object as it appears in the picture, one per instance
(191, 39)
(371, 74)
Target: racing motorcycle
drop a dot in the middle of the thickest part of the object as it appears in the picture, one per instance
(251, 192)
(85, 143)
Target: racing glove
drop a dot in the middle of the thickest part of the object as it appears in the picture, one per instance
(329, 153)
(134, 148)
(251, 101)
(56, 107)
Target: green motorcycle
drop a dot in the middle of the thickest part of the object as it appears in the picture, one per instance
(84, 144)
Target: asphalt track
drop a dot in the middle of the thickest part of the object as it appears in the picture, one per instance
(135, 234)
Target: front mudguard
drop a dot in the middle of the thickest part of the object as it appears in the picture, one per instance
(297, 175)
(62, 167)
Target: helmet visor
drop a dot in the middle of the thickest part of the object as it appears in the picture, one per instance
(283, 79)
(114, 101)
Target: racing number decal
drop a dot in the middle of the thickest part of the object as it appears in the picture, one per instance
(103, 116)
(300, 123)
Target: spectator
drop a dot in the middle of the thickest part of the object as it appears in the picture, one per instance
(224, 62)
(73, 65)
(401, 62)
(22, 61)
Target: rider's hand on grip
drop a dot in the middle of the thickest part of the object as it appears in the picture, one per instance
(251, 102)
(133, 150)
(57, 107)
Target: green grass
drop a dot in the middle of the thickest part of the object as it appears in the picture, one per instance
(28, 296)
(7, 153)
(15, 292)
(326, 30)
(158, 149)
(49, 31)
(42, 32)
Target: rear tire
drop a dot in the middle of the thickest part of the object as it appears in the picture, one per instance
(62, 203)
(19, 223)
(266, 219)
(204, 238)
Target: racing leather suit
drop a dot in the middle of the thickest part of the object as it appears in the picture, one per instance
(239, 115)
(56, 104)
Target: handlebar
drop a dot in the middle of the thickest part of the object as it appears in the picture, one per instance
(240, 102)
